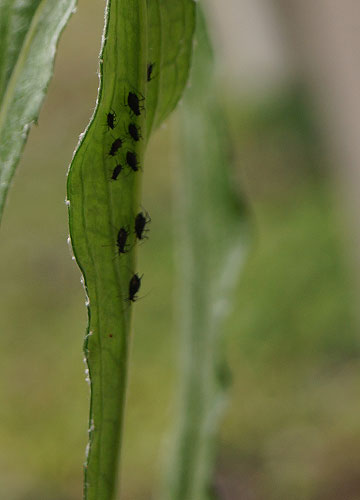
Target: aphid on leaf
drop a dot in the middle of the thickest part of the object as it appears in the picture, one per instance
(121, 239)
(115, 146)
(116, 172)
(131, 160)
(134, 286)
(134, 132)
(134, 103)
(111, 120)
(141, 221)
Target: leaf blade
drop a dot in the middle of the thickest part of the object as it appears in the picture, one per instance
(173, 59)
(212, 241)
(26, 65)
(99, 206)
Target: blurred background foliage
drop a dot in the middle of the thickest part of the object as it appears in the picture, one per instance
(292, 428)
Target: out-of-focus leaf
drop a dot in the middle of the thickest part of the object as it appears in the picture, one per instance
(29, 32)
(212, 240)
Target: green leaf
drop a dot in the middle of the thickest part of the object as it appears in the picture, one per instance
(212, 240)
(30, 30)
(137, 33)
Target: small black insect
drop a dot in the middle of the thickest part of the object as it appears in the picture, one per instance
(121, 239)
(134, 286)
(116, 172)
(131, 160)
(140, 224)
(134, 132)
(111, 119)
(134, 103)
(150, 68)
(115, 146)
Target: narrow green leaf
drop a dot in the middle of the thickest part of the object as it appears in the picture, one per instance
(29, 32)
(171, 28)
(103, 198)
(212, 241)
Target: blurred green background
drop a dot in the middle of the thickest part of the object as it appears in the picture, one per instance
(291, 430)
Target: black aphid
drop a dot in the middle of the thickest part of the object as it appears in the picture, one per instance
(116, 172)
(111, 119)
(141, 221)
(134, 132)
(134, 286)
(150, 68)
(131, 160)
(115, 146)
(134, 103)
(121, 240)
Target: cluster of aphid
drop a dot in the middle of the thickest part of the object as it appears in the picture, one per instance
(133, 101)
(133, 131)
(141, 219)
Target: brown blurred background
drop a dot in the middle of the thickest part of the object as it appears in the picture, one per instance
(290, 76)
